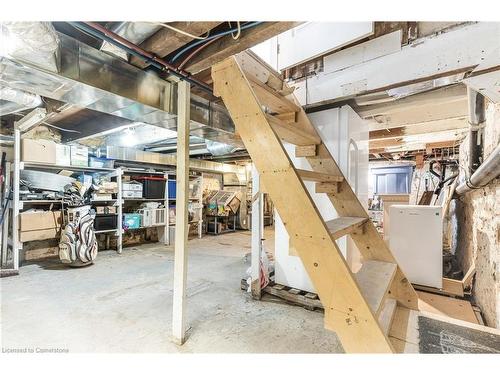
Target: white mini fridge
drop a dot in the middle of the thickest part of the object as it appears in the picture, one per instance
(345, 135)
(416, 241)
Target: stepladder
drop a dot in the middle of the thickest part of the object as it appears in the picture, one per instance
(359, 306)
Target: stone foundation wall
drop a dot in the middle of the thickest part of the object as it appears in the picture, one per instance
(476, 226)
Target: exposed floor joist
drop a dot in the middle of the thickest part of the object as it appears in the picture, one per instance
(419, 128)
(424, 59)
(227, 46)
(165, 40)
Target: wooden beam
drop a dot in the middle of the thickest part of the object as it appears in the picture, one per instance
(419, 61)
(420, 128)
(227, 46)
(438, 97)
(291, 134)
(271, 98)
(318, 177)
(165, 40)
(181, 216)
(430, 146)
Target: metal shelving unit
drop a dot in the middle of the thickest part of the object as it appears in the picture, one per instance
(199, 198)
(163, 230)
(17, 205)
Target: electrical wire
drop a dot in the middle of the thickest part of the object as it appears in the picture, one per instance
(198, 42)
(181, 31)
(196, 51)
(239, 30)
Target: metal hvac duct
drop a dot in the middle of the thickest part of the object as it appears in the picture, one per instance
(135, 32)
(13, 100)
(486, 172)
(89, 78)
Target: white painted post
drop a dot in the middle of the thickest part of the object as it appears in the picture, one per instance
(119, 205)
(257, 233)
(181, 217)
(16, 244)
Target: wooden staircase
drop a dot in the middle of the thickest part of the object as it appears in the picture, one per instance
(360, 306)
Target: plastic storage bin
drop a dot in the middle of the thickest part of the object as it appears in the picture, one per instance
(172, 189)
(152, 187)
(105, 222)
(131, 221)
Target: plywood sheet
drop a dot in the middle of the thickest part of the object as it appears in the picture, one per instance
(446, 306)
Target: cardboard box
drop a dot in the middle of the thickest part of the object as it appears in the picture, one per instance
(79, 156)
(107, 187)
(132, 193)
(133, 185)
(105, 209)
(39, 225)
(63, 154)
(101, 197)
(38, 151)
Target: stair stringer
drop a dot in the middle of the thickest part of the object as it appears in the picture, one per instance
(369, 242)
(346, 310)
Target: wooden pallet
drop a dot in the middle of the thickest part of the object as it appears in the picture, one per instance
(265, 114)
(307, 300)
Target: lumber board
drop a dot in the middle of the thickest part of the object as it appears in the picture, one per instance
(272, 99)
(305, 151)
(387, 314)
(450, 288)
(374, 279)
(447, 306)
(318, 177)
(346, 310)
(287, 117)
(327, 187)
(257, 69)
(290, 134)
(227, 46)
(342, 226)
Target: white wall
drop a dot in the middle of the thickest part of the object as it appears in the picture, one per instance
(309, 40)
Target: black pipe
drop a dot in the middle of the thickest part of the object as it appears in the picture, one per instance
(98, 35)
(476, 117)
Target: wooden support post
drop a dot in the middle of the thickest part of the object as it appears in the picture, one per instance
(257, 233)
(181, 218)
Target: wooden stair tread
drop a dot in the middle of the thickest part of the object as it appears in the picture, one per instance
(271, 98)
(341, 226)
(374, 279)
(291, 134)
(318, 177)
(387, 314)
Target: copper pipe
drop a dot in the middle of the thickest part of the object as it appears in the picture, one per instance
(143, 52)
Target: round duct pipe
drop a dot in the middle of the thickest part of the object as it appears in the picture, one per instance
(486, 172)
(219, 149)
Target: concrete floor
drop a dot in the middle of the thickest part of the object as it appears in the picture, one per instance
(123, 303)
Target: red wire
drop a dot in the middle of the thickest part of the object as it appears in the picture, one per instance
(196, 51)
